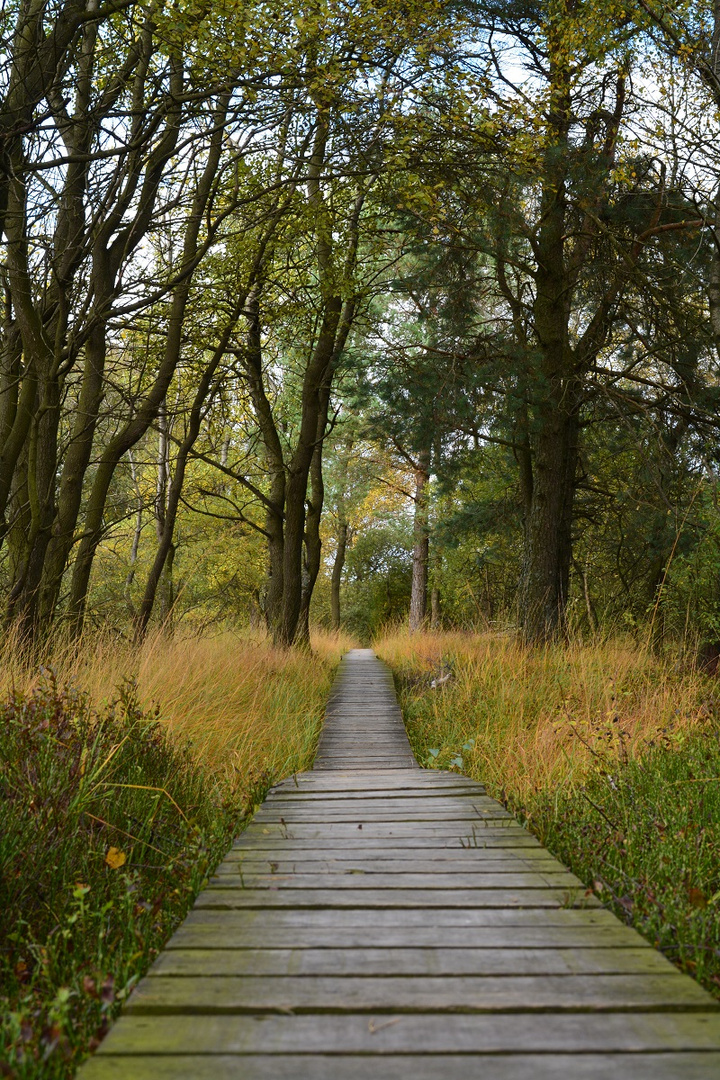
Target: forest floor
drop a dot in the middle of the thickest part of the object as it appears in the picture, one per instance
(119, 799)
(607, 752)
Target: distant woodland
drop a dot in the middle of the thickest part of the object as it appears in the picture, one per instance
(360, 311)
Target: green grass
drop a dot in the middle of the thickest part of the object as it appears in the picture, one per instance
(645, 835)
(608, 753)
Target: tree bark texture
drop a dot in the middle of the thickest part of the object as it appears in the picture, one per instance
(421, 543)
(435, 618)
(294, 538)
(313, 543)
(337, 573)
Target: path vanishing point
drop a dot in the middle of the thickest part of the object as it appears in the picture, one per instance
(380, 920)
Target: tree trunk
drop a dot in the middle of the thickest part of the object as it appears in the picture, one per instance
(44, 322)
(31, 548)
(147, 409)
(550, 494)
(275, 532)
(313, 543)
(714, 282)
(337, 573)
(77, 459)
(314, 406)
(274, 460)
(337, 318)
(548, 537)
(421, 543)
(168, 495)
(291, 534)
(434, 608)
(163, 527)
(166, 589)
(134, 547)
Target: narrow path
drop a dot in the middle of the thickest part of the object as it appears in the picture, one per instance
(381, 920)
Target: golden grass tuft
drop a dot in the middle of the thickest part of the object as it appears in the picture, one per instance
(248, 709)
(542, 718)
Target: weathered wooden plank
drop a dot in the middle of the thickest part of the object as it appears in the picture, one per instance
(359, 785)
(363, 781)
(386, 1033)
(405, 798)
(413, 800)
(402, 796)
(654, 1066)
(389, 855)
(386, 851)
(467, 815)
(387, 757)
(368, 780)
(338, 920)
(458, 821)
(335, 757)
(160, 995)
(347, 747)
(344, 749)
(471, 831)
(369, 785)
(217, 896)
(211, 935)
(503, 870)
(331, 763)
(411, 961)
(378, 743)
(267, 838)
(354, 878)
(329, 756)
(488, 860)
(381, 738)
(438, 919)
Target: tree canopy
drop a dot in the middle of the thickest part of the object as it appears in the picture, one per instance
(360, 312)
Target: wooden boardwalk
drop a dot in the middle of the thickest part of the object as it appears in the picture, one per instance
(380, 920)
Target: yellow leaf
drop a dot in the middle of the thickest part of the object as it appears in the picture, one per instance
(115, 858)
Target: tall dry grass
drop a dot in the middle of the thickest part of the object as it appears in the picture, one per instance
(541, 719)
(247, 708)
(608, 752)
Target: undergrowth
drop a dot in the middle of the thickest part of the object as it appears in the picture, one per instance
(108, 832)
(644, 833)
(611, 756)
(115, 812)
